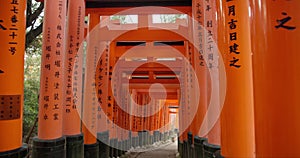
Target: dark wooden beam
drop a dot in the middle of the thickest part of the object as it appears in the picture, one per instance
(136, 3)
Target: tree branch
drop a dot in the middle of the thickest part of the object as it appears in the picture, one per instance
(28, 11)
(33, 16)
(31, 35)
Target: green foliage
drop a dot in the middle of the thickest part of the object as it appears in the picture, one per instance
(170, 18)
(35, 47)
(122, 18)
(31, 83)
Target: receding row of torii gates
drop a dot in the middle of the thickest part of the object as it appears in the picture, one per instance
(225, 79)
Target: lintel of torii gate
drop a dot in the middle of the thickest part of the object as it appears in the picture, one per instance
(146, 10)
(143, 30)
(142, 34)
(168, 94)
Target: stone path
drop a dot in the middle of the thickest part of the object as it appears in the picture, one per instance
(167, 150)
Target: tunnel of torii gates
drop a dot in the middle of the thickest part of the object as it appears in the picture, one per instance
(226, 79)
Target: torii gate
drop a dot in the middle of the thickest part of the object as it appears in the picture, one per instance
(252, 89)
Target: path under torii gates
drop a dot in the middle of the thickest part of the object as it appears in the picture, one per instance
(225, 78)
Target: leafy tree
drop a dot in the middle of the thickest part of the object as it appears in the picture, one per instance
(31, 91)
(31, 83)
(33, 51)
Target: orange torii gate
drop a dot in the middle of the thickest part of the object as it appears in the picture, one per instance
(12, 32)
(73, 80)
(142, 124)
(68, 128)
(238, 65)
(276, 77)
(51, 99)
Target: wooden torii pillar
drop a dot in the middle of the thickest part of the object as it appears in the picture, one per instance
(156, 121)
(161, 120)
(198, 63)
(112, 107)
(237, 117)
(73, 64)
(102, 84)
(145, 118)
(151, 119)
(212, 145)
(168, 103)
(182, 114)
(118, 112)
(51, 84)
(275, 41)
(201, 71)
(134, 119)
(90, 101)
(125, 94)
(12, 32)
(185, 107)
(140, 119)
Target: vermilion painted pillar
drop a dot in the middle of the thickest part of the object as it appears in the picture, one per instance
(186, 124)
(200, 65)
(117, 112)
(237, 118)
(102, 80)
(161, 118)
(12, 32)
(111, 103)
(212, 145)
(275, 42)
(180, 115)
(182, 134)
(73, 72)
(102, 88)
(51, 97)
(90, 101)
(140, 118)
(73, 79)
(211, 34)
(167, 115)
(125, 121)
(201, 70)
(146, 117)
(120, 114)
(151, 119)
(133, 118)
(156, 120)
(139, 112)
(112, 107)
(129, 120)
